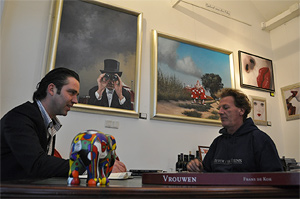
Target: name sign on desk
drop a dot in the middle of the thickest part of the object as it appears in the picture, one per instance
(268, 179)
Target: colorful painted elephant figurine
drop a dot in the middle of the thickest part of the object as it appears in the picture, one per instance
(93, 151)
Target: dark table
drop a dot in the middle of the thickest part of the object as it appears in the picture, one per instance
(133, 188)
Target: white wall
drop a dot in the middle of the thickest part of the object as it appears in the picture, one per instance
(286, 48)
(144, 144)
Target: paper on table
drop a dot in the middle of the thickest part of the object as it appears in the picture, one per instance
(117, 176)
(122, 175)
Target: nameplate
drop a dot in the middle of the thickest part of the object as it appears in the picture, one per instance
(268, 179)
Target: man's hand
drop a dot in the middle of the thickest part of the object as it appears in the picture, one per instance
(119, 167)
(118, 87)
(195, 166)
(102, 82)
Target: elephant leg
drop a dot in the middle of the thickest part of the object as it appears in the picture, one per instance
(102, 172)
(92, 167)
(97, 170)
(75, 167)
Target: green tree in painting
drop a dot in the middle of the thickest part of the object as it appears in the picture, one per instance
(212, 83)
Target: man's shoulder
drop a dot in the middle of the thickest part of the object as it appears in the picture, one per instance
(218, 138)
(259, 134)
(28, 109)
(30, 106)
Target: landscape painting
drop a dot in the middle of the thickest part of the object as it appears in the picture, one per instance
(187, 77)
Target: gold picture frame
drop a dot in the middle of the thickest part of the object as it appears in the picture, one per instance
(175, 67)
(259, 110)
(86, 32)
(291, 101)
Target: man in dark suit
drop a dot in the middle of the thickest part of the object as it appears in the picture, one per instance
(110, 91)
(28, 131)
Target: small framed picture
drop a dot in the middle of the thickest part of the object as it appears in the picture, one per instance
(203, 151)
(259, 110)
(291, 101)
(256, 72)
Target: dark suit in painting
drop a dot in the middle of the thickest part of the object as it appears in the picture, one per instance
(115, 100)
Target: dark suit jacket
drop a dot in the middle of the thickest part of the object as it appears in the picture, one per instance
(115, 100)
(24, 146)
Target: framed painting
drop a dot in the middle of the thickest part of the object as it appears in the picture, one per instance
(259, 110)
(291, 101)
(256, 72)
(186, 77)
(102, 43)
(203, 151)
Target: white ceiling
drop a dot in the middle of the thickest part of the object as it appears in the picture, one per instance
(271, 8)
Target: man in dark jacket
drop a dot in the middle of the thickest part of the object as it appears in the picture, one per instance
(28, 131)
(241, 147)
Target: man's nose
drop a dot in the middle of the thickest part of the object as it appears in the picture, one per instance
(75, 99)
(220, 111)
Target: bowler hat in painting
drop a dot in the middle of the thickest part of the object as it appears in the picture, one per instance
(111, 66)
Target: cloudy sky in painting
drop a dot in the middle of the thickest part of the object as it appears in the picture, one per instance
(189, 62)
(89, 34)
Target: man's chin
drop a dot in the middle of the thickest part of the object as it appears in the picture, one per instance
(224, 123)
(62, 114)
(65, 113)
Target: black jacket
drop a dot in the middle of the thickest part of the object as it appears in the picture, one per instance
(115, 99)
(24, 146)
(247, 150)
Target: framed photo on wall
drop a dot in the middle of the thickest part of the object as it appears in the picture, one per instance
(256, 72)
(186, 77)
(291, 101)
(203, 151)
(259, 110)
(85, 34)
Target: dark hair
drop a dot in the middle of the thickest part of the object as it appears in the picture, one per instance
(240, 99)
(58, 77)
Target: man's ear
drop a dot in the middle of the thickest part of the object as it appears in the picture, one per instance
(51, 89)
(242, 111)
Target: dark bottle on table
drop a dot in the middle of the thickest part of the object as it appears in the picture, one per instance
(191, 156)
(179, 163)
(197, 155)
(185, 162)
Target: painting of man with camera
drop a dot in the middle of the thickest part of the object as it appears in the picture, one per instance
(110, 91)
